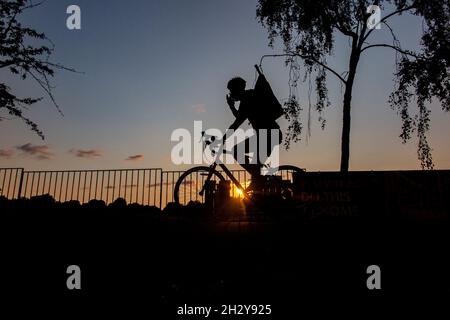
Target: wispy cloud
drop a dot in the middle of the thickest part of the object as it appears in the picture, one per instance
(136, 157)
(6, 154)
(41, 152)
(199, 108)
(87, 154)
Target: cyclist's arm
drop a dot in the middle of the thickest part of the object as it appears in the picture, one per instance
(236, 124)
(241, 116)
(233, 109)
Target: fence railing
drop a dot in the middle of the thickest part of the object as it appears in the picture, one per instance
(10, 179)
(151, 186)
(134, 185)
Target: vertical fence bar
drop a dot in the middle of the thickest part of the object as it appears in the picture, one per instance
(167, 188)
(149, 185)
(38, 181)
(26, 184)
(72, 184)
(15, 182)
(161, 186)
(196, 186)
(101, 190)
(67, 185)
(50, 183)
(160, 190)
(137, 186)
(107, 187)
(78, 186)
(143, 188)
(61, 186)
(126, 181)
(43, 183)
(3, 183)
(113, 186)
(9, 182)
(56, 183)
(84, 185)
(120, 181)
(96, 184)
(131, 192)
(90, 184)
(32, 184)
(19, 193)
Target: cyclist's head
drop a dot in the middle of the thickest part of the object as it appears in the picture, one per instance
(236, 87)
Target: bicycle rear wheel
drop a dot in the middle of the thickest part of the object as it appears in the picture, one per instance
(190, 183)
(287, 172)
(283, 181)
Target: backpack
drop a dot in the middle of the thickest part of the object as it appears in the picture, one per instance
(266, 99)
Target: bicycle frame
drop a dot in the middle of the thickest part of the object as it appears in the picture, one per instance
(246, 195)
(227, 172)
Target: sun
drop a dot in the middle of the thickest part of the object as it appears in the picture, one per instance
(238, 192)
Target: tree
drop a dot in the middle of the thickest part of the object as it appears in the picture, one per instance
(308, 28)
(22, 55)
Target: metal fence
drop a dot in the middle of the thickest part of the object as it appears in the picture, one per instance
(10, 179)
(134, 185)
(144, 186)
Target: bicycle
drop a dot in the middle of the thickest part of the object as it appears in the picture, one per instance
(281, 181)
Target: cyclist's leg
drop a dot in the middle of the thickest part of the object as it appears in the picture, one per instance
(272, 141)
(240, 154)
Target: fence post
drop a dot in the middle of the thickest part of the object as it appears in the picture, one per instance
(161, 190)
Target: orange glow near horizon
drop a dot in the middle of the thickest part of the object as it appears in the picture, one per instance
(237, 192)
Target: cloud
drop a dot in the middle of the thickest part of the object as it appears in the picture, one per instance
(41, 152)
(136, 157)
(199, 108)
(87, 154)
(7, 154)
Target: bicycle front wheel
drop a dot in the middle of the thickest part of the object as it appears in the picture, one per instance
(190, 183)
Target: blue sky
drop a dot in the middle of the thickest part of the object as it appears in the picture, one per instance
(153, 66)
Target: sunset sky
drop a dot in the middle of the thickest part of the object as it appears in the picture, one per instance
(150, 67)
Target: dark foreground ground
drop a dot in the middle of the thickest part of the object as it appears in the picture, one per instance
(139, 259)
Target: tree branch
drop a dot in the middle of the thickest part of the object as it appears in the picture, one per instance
(45, 85)
(4, 64)
(345, 31)
(405, 52)
(340, 26)
(387, 17)
(304, 57)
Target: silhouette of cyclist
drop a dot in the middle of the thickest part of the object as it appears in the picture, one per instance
(249, 110)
